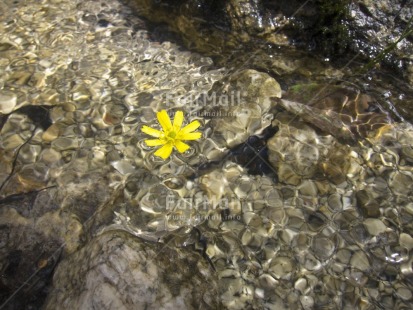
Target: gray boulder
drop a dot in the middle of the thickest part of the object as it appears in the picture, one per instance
(117, 270)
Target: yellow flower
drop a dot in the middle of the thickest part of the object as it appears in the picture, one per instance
(172, 134)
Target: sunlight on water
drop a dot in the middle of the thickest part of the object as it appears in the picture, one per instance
(316, 215)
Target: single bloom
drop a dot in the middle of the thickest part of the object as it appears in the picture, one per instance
(172, 134)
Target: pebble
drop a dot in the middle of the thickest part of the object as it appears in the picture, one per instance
(8, 101)
(281, 267)
(63, 144)
(323, 247)
(374, 226)
(51, 133)
(307, 302)
(360, 261)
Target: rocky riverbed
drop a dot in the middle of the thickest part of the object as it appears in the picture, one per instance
(297, 196)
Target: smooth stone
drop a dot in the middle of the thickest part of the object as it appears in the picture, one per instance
(301, 285)
(360, 261)
(63, 144)
(8, 101)
(406, 241)
(287, 175)
(374, 226)
(20, 77)
(241, 109)
(334, 202)
(267, 281)
(400, 183)
(296, 152)
(281, 267)
(369, 206)
(259, 293)
(12, 142)
(123, 166)
(358, 278)
(404, 293)
(80, 93)
(277, 216)
(308, 188)
(38, 80)
(307, 302)
(50, 156)
(49, 97)
(33, 175)
(214, 184)
(322, 247)
(51, 133)
(29, 153)
(312, 263)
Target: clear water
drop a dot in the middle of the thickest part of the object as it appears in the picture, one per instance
(328, 226)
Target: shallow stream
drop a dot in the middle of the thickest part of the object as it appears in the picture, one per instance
(297, 196)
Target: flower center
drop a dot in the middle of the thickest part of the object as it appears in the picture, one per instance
(172, 135)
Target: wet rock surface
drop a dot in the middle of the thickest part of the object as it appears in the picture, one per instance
(297, 195)
(371, 39)
(329, 27)
(381, 24)
(119, 271)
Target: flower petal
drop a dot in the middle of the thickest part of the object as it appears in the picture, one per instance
(190, 127)
(152, 132)
(164, 120)
(154, 142)
(165, 151)
(178, 120)
(181, 146)
(190, 136)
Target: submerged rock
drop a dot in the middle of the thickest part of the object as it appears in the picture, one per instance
(8, 102)
(119, 271)
(245, 112)
(344, 112)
